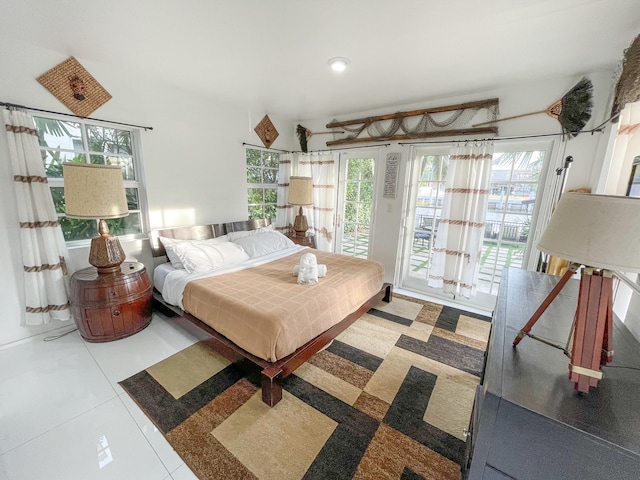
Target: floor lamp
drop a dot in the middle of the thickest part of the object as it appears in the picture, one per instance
(601, 234)
(301, 194)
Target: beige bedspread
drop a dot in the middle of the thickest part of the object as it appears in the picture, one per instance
(267, 313)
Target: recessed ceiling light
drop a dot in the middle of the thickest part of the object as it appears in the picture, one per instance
(338, 64)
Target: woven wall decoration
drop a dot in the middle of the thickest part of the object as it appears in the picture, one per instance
(429, 123)
(70, 83)
(266, 131)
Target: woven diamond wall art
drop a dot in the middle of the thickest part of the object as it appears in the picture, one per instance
(266, 131)
(76, 88)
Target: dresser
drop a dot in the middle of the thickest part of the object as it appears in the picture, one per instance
(528, 421)
(111, 306)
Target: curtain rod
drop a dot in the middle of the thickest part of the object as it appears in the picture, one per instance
(598, 129)
(13, 105)
(244, 144)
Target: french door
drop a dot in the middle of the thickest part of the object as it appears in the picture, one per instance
(516, 179)
(354, 205)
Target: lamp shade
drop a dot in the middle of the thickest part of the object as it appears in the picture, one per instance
(601, 231)
(300, 191)
(94, 191)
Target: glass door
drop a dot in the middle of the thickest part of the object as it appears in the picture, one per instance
(515, 184)
(356, 183)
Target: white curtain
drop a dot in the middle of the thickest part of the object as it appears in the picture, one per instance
(458, 244)
(322, 168)
(626, 147)
(43, 247)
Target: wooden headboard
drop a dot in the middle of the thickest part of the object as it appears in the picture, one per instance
(201, 232)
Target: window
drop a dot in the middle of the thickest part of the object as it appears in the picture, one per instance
(262, 183)
(76, 141)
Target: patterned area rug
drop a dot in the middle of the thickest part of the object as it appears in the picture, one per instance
(388, 399)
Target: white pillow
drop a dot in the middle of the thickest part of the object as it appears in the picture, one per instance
(170, 243)
(205, 257)
(231, 236)
(264, 243)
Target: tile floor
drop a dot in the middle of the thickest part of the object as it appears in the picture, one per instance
(64, 416)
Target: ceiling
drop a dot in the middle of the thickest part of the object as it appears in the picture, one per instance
(272, 55)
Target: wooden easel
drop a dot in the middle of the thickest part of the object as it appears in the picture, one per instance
(591, 335)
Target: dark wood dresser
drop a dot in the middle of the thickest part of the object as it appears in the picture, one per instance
(111, 306)
(528, 421)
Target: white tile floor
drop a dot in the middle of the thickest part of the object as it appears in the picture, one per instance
(64, 416)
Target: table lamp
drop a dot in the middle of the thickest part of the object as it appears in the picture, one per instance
(300, 193)
(97, 192)
(601, 233)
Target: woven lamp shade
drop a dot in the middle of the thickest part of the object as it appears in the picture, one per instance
(600, 231)
(94, 191)
(300, 191)
(97, 192)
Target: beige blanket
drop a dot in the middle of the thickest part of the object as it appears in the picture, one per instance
(267, 313)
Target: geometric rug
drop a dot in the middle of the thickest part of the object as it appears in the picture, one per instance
(388, 399)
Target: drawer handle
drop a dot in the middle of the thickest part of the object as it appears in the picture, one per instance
(116, 313)
(466, 433)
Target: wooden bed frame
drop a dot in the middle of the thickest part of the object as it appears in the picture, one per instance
(272, 373)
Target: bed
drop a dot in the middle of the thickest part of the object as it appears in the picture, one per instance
(243, 293)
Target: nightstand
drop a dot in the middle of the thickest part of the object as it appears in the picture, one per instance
(304, 241)
(111, 306)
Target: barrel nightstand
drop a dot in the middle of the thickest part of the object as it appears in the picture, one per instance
(111, 306)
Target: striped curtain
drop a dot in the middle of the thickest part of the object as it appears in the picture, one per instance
(322, 168)
(42, 243)
(458, 244)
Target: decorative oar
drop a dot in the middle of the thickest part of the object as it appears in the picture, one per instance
(305, 134)
(573, 110)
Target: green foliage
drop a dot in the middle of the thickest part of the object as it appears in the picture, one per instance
(358, 196)
(255, 196)
(262, 171)
(109, 140)
(262, 211)
(125, 225)
(74, 229)
(254, 175)
(271, 159)
(352, 192)
(270, 175)
(271, 195)
(253, 157)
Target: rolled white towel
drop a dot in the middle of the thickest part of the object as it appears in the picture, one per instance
(308, 272)
(322, 270)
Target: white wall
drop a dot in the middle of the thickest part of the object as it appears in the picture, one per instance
(587, 150)
(194, 160)
(194, 156)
